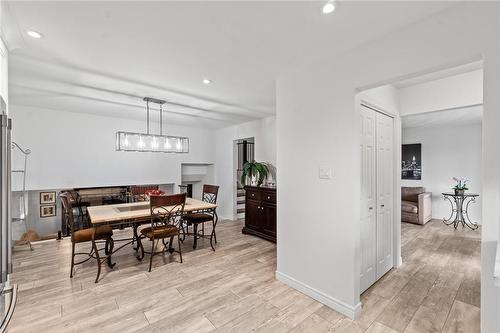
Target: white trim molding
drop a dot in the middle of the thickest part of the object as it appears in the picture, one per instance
(337, 305)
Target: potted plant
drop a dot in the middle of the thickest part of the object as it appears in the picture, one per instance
(461, 186)
(256, 171)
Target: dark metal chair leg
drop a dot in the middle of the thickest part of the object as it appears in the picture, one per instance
(135, 236)
(179, 245)
(110, 242)
(195, 234)
(165, 244)
(72, 259)
(170, 243)
(153, 247)
(212, 236)
(214, 221)
(140, 246)
(94, 246)
(184, 231)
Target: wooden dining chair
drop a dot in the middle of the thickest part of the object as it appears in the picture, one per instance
(138, 192)
(166, 215)
(209, 195)
(78, 203)
(94, 235)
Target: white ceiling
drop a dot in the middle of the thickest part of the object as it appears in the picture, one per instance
(103, 57)
(453, 117)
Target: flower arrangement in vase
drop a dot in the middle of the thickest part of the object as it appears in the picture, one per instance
(461, 186)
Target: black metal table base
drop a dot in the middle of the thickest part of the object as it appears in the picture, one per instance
(136, 242)
(459, 210)
(200, 234)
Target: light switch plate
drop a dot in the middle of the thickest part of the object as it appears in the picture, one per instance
(325, 172)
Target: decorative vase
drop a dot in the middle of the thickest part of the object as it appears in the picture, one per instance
(459, 192)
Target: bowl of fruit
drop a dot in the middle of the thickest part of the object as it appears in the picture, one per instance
(149, 193)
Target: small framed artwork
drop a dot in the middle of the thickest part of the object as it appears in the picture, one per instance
(48, 211)
(47, 198)
(411, 164)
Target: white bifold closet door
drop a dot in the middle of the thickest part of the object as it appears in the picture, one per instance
(377, 166)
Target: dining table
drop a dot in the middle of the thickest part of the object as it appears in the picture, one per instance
(136, 213)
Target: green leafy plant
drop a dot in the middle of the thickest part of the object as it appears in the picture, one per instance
(257, 169)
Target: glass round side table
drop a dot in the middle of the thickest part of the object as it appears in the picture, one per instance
(459, 207)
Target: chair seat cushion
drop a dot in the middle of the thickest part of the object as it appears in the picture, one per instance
(409, 207)
(160, 231)
(85, 235)
(198, 217)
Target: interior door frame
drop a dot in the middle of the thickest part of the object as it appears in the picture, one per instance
(364, 101)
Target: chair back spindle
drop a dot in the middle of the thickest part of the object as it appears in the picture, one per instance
(68, 211)
(167, 209)
(210, 193)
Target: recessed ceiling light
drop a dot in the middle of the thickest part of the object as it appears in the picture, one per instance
(328, 7)
(207, 81)
(34, 34)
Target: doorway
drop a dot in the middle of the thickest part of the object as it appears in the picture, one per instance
(443, 134)
(244, 151)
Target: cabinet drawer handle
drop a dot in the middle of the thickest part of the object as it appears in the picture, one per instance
(262, 208)
(370, 208)
(253, 195)
(382, 205)
(268, 198)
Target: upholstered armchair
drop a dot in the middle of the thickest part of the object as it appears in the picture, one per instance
(416, 205)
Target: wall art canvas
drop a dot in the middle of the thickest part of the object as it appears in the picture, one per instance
(411, 164)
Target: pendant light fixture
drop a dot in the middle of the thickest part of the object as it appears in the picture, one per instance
(146, 142)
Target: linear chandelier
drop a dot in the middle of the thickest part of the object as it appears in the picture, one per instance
(146, 142)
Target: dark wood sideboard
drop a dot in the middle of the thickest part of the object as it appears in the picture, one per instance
(260, 212)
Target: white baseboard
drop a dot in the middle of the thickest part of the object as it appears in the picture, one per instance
(337, 305)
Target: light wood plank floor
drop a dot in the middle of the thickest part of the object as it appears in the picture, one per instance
(234, 289)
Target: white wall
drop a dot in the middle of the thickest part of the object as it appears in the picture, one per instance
(317, 123)
(3, 57)
(386, 97)
(78, 150)
(4, 71)
(264, 133)
(447, 93)
(448, 152)
(198, 175)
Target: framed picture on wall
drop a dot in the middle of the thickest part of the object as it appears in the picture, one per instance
(47, 198)
(48, 211)
(411, 164)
